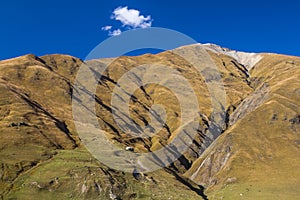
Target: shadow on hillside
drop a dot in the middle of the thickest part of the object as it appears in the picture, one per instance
(199, 190)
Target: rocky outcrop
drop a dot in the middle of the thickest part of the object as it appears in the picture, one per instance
(249, 104)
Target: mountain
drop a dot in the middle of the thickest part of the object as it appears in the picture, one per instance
(256, 156)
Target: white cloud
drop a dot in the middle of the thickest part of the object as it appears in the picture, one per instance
(114, 32)
(106, 28)
(110, 31)
(131, 18)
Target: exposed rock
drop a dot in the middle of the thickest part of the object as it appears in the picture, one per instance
(295, 120)
(246, 59)
(231, 180)
(129, 149)
(18, 124)
(253, 101)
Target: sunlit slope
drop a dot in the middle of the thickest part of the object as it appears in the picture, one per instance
(258, 157)
(41, 154)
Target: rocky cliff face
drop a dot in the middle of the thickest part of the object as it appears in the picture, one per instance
(256, 156)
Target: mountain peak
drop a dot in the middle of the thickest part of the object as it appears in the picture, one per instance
(216, 47)
(248, 60)
(244, 58)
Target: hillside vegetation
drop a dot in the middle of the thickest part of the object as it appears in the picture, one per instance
(257, 156)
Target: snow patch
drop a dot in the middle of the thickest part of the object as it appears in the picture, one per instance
(244, 58)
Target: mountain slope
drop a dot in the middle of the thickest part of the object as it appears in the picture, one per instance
(257, 155)
(41, 154)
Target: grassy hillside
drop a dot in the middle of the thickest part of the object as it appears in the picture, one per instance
(256, 157)
(259, 153)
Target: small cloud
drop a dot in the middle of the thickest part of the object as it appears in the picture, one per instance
(114, 32)
(131, 18)
(106, 28)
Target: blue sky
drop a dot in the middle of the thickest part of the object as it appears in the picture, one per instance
(74, 26)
